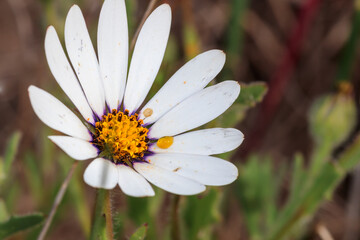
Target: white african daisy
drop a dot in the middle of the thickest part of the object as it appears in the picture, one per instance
(133, 145)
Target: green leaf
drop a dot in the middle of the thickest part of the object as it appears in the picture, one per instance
(258, 200)
(298, 176)
(252, 93)
(2, 170)
(140, 233)
(347, 61)
(230, 118)
(201, 212)
(314, 191)
(141, 210)
(11, 150)
(235, 37)
(3, 211)
(33, 176)
(17, 224)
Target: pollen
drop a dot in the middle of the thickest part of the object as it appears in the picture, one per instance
(120, 137)
(165, 142)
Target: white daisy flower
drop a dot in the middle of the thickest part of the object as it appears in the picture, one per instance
(133, 146)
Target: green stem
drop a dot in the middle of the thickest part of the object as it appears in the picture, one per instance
(175, 226)
(102, 223)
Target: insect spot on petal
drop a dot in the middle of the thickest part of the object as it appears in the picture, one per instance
(148, 112)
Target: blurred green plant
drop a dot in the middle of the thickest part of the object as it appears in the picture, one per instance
(201, 213)
(259, 185)
(11, 151)
(12, 224)
(235, 36)
(252, 94)
(140, 233)
(16, 224)
(4, 215)
(258, 189)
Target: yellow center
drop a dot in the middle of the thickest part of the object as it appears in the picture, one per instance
(120, 137)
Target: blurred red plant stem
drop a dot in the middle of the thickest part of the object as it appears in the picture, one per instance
(282, 74)
(57, 201)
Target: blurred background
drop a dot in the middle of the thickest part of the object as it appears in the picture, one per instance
(296, 61)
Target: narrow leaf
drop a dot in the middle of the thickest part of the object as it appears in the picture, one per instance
(17, 224)
(140, 233)
(2, 170)
(11, 150)
(252, 93)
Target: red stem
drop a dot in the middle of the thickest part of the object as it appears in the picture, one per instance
(279, 80)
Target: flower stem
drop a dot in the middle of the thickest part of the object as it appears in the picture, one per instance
(57, 201)
(102, 223)
(108, 216)
(175, 225)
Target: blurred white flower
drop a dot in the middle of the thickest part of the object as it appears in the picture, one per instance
(133, 145)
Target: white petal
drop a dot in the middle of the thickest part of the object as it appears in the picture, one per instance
(75, 147)
(189, 79)
(132, 183)
(83, 58)
(204, 142)
(147, 57)
(113, 44)
(196, 110)
(56, 115)
(203, 169)
(101, 173)
(168, 180)
(64, 75)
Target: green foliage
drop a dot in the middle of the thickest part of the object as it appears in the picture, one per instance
(11, 150)
(2, 170)
(33, 176)
(141, 210)
(235, 37)
(349, 52)
(252, 93)
(258, 187)
(304, 200)
(140, 233)
(3, 211)
(16, 224)
(235, 31)
(201, 213)
(257, 190)
(264, 219)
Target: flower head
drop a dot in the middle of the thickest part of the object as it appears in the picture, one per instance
(133, 146)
